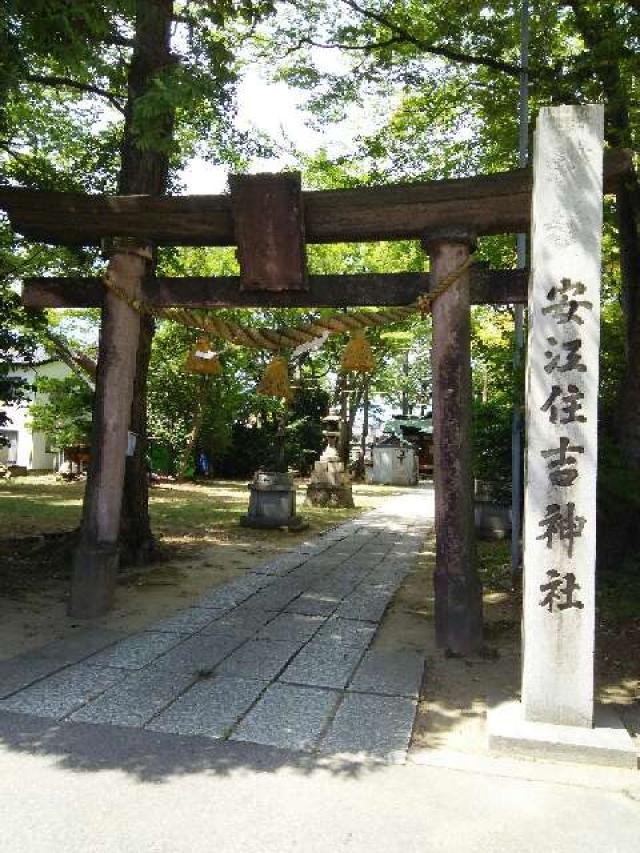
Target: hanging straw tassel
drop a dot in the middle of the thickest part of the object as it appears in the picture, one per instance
(203, 360)
(275, 381)
(357, 356)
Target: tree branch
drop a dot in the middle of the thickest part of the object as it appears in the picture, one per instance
(82, 365)
(436, 50)
(68, 82)
(368, 48)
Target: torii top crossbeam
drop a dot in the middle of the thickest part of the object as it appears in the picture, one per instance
(487, 204)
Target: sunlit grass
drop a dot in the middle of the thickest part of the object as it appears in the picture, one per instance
(197, 513)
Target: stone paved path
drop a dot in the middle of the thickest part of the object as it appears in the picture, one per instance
(281, 656)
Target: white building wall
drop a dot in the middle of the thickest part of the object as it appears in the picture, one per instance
(31, 447)
(394, 466)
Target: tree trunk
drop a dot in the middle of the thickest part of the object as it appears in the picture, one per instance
(405, 389)
(144, 170)
(365, 416)
(628, 210)
(136, 538)
(198, 419)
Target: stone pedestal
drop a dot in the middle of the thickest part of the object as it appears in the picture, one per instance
(272, 502)
(329, 485)
(607, 743)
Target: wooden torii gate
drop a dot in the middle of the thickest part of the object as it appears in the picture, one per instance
(270, 220)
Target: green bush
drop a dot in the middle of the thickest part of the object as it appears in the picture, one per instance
(491, 432)
(618, 510)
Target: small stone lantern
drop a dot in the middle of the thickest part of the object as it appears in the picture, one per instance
(330, 484)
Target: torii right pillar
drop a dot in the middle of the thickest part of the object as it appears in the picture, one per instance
(458, 592)
(556, 716)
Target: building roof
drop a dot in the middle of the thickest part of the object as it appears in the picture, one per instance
(399, 426)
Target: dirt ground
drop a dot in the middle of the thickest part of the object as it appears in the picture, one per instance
(457, 692)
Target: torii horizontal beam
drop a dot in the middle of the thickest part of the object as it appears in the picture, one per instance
(489, 287)
(486, 204)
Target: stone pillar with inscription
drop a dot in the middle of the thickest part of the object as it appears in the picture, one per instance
(562, 417)
(557, 710)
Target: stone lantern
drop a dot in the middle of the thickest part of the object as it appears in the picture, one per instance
(330, 484)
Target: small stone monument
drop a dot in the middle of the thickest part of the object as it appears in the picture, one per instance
(272, 502)
(330, 484)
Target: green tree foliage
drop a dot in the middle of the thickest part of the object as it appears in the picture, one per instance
(63, 412)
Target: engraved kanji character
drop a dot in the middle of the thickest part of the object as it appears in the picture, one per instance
(561, 470)
(565, 310)
(562, 598)
(573, 359)
(571, 405)
(565, 526)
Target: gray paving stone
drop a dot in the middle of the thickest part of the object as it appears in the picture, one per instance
(384, 587)
(375, 725)
(288, 717)
(381, 591)
(201, 653)
(79, 645)
(135, 700)
(393, 673)
(312, 604)
(21, 671)
(388, 576)
(243, 618)
(233, 631)
(244, 587)
(277, 596)
(291, 626)
(136, 651)
(63, 692)
(350, 632)
(262, 659)
(188, 621)
(323, 665)
(210, 707)
(222, 598)
(373, 555)
(281, 567)
(306, 575)
(333, 587)
(366, 606)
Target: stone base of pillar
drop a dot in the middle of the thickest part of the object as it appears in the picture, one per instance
(95, 569)
(608, 742)
(320, 494)
(294, 523)
(458, 613)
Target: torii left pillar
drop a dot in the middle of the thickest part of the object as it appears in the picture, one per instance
(96, 559)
